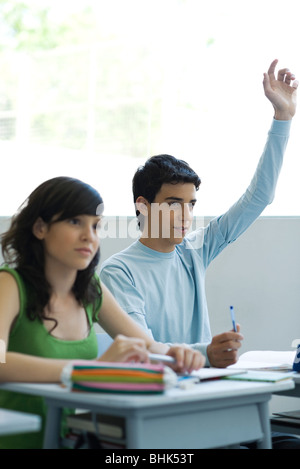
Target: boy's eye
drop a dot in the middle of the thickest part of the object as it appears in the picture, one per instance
(174, 205)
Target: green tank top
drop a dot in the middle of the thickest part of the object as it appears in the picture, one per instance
(32, 338)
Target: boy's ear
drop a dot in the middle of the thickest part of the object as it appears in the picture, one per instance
(141, 205)
(39, 228)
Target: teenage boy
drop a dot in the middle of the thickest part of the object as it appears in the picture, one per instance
(160, 279)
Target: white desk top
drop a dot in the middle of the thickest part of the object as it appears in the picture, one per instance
(175, 405)
(210, 390)
(18, 422)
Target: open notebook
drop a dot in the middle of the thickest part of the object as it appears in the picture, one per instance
(265, 360)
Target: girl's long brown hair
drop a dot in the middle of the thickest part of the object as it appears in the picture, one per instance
(64, 198)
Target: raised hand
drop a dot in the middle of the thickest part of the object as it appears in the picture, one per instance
(281, 91)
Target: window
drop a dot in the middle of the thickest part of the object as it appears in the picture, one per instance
(91, 88)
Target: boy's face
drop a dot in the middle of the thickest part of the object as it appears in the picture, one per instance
(171, 213)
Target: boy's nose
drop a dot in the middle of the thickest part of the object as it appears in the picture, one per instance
(187, 212)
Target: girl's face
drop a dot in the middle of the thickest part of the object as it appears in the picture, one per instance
(72, 243)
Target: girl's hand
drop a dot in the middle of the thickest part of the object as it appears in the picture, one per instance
(186, 358)
(125, 349)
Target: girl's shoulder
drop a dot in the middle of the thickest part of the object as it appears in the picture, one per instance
(11, 283)
(11, 298)
(11, 276)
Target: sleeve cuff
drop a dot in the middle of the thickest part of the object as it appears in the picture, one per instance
(203, 349)
(281, 127)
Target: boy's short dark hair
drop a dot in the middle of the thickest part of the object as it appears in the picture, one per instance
(159, 170)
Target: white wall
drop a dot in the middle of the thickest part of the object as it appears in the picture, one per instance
(260, 275)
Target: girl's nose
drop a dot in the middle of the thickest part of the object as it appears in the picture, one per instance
(88, 233)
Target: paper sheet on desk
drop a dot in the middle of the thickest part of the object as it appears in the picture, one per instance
(204, 374)
(265, 360)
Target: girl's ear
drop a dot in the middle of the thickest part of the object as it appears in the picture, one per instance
(39, 228)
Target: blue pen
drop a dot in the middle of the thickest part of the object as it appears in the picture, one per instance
(233, 318)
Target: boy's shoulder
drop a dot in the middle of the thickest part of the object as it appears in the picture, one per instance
(122, 256)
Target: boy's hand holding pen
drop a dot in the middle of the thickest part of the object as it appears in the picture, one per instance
(223, 349)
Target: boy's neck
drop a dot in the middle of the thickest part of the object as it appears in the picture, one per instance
(157, 244)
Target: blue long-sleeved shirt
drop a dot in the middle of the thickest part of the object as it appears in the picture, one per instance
(165, 292)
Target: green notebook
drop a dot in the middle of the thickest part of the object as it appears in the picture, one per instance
(267, 376)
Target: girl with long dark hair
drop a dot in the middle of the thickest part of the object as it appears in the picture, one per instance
(50, 296)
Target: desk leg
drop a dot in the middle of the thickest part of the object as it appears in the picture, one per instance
(266, 442)
(52, 430)
(133, 433)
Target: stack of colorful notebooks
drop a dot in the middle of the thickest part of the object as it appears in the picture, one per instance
(96, 376)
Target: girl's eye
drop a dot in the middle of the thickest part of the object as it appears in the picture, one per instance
(74, 221)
